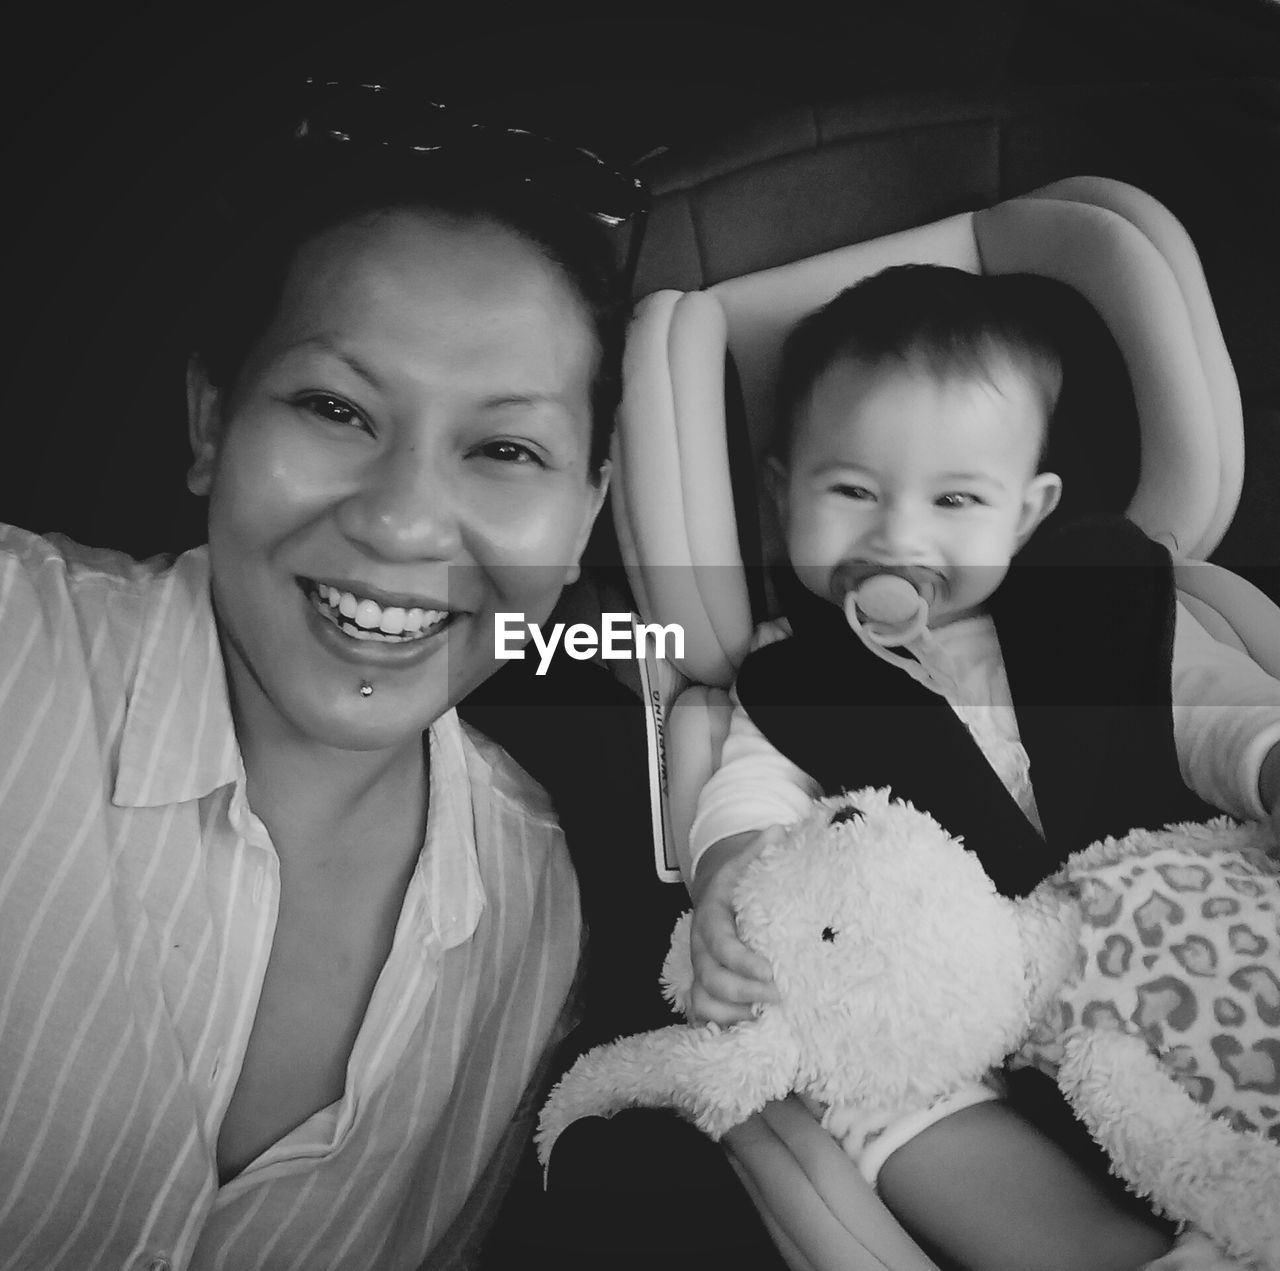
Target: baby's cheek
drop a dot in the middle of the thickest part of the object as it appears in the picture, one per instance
(982, 576)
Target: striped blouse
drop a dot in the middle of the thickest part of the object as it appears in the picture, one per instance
(138, 897)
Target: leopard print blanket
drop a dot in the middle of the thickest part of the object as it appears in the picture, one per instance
(1180, 944)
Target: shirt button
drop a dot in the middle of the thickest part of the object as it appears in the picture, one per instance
(157, 1264)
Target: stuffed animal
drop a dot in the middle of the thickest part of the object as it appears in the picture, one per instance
(1145, 976)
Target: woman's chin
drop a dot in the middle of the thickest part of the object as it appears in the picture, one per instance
(361, 724)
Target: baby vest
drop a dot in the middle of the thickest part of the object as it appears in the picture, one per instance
(1085, 620)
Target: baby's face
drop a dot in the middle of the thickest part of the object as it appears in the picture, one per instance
(892, 467)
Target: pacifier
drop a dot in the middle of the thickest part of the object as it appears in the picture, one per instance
(887, 607)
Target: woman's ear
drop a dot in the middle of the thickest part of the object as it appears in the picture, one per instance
(595, 500)
(204, 426)
(1038, 500)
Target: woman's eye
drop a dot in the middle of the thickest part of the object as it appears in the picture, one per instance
(956, 500)
(332, 409)
(852, 491)
(509, 452)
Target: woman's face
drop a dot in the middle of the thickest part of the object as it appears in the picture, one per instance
(404, 455)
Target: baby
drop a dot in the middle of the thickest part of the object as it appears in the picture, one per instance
(914, 415)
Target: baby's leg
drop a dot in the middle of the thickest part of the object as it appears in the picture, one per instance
(987, 1191)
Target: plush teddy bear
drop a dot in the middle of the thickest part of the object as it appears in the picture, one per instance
(1145, 976)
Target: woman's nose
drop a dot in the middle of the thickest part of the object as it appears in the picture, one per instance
(405, 508)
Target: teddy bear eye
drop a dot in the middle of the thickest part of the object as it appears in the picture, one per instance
(850, 812)
(828, 934)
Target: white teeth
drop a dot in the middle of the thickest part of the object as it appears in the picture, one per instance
(373, 622)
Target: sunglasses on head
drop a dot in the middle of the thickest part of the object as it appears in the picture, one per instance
(372, 116)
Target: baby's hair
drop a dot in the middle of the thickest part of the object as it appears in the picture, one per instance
(311, 192)
(954, 323)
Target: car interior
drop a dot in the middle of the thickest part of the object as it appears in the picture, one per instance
(1129, 149)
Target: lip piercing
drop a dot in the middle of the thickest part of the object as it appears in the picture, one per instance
(366, 689)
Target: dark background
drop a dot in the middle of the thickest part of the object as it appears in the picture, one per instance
(119, 119)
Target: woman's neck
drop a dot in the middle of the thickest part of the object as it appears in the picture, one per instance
(328, 806)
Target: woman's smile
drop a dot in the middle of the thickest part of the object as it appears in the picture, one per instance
(354, 643)
(406, 453)
(356, 612)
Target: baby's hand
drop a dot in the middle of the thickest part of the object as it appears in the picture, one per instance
(728, 978)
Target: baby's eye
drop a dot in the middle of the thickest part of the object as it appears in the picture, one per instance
(332, 409)
(506, 451)
(847, 490)
(955, 499)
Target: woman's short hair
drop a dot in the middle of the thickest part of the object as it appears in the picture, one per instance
(304, 190)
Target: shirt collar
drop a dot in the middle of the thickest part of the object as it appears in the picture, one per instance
(971, 639)
(178, 743)
(449, 864)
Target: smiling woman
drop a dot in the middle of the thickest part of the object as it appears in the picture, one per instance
(411, 434)
(284, 944)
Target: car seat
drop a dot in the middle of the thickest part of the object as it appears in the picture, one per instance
(697, 540)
